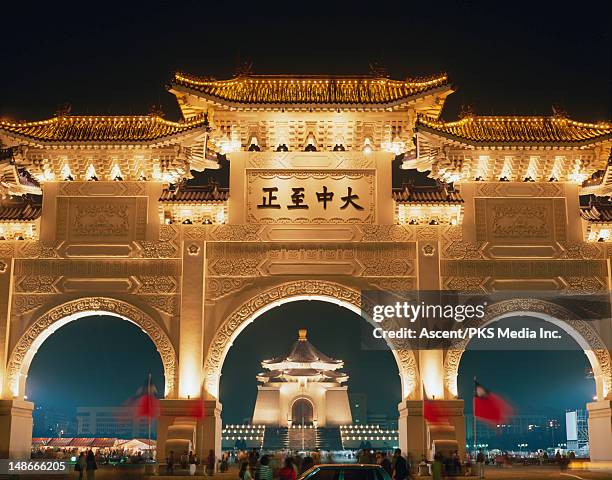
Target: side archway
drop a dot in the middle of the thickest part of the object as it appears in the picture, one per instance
(581, 331)
(53, 319)
(325, 291)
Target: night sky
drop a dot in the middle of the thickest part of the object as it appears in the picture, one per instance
(115, 57)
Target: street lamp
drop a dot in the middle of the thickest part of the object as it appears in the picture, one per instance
(521, 446)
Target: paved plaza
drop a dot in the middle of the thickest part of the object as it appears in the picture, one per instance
(493, 473)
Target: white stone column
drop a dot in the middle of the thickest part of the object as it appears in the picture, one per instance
(600, 430)
(16, 429)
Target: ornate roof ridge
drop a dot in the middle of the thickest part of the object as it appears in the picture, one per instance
(103, 118)
(517, 129)
(432, 121)
(203, 80)
(324, 90)
(101, 128)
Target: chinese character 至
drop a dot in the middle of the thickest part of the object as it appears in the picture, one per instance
(297, 199)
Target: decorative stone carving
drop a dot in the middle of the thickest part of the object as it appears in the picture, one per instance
(95, 218)
(168, 304)
(508, 220)
(385, 233)
(36, 284)
(428, 250)
(116, 189)
(161, 249)
(581, 328)
(193, 249)
(220, 287)
(509, 189)
(157, 284)
(157, 334)
(226, 332)
(25, 303)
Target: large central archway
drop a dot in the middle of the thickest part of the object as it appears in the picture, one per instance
(53, 319)
(292, 292)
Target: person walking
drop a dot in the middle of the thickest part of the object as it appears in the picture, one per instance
(170, 463)
(210, 462)
(480, 462)
(92, 466)
(192, 463)
(400, 467)
(80, 465)
(264, 472)
(436, 467)
(245, 472)
(386, 464)
(287, 472)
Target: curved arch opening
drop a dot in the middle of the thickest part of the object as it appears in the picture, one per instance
(99, 364)
(541, 384)
(227, 333)
(334, 330)
(53, 328)
(46, 324)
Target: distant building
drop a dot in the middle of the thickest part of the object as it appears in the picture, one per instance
(382, 420)
(305, 388)
(117, 422)
(359, 407)
(49, 422)
(537, 430)
(577, 431)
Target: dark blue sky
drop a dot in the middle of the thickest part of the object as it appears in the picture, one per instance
(516, 57)
(104, 360)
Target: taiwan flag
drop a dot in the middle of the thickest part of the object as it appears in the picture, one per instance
(489, 407)
(432, 412)
(147, 404)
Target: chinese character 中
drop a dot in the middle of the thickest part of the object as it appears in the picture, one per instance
(325, 197)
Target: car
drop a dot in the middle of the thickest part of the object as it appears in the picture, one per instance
(345, 471)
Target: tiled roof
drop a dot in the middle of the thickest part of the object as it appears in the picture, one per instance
(440, 193)
(21, 209)
(303, 352)
(193, 194)
(596, 209)
(321, 90)
(517, 130)
(99, 129)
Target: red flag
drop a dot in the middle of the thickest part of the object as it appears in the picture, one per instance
(489, 407)
(197, 411)
(431, 411)
(147, 404)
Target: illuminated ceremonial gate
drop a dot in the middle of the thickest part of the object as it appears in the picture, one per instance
(100, 215)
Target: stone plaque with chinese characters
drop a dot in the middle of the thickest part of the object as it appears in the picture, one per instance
(310, 196)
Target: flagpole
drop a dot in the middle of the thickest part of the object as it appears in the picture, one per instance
(424, 421)
(474, 414)
(149, 417)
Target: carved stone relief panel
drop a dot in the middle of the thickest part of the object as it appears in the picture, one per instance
(99, 219)
(520, 220)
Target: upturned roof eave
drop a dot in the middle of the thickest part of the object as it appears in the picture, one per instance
(177, 88)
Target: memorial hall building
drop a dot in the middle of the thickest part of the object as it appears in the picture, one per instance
(278, 188)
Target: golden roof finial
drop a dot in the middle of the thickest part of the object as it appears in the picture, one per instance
(302, 334)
